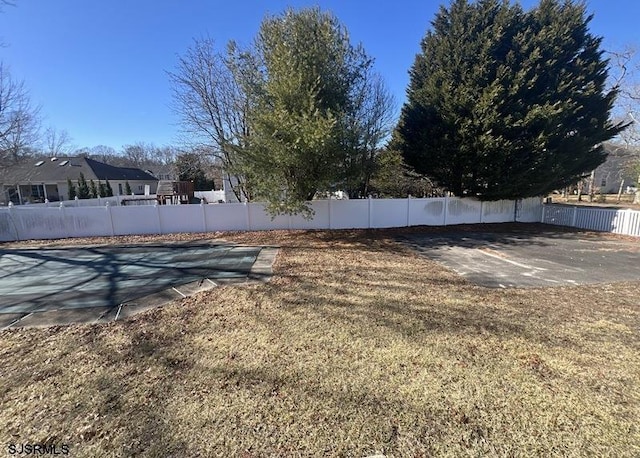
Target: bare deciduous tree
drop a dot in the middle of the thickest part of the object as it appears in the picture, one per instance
(625, 66)
(57, 142)
(211, 103)
(19, 119)
(372, 121)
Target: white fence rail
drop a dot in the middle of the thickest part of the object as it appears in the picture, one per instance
(30, 222)
(623, 221)
(100, 201)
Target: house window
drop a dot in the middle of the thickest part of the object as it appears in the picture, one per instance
(140, 188)
(37, 190)
(603, 183)
(119, 189)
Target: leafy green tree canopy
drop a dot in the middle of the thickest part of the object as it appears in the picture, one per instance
(504, 103)
(309, 70)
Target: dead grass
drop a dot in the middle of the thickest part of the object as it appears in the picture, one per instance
(357, 347)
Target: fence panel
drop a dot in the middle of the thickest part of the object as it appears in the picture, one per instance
(142, 219)
(499, 211)
(427, 212)
(596, 219)
(558, 215)
(389, 212)
(529, 210)
(463, 211)
(181, 218)
(88, 222)
(320, 218)
(226, 217)
(626, 222)
(8, 231)
(260, 220)
(350, 214)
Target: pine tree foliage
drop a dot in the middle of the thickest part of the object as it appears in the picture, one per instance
(93, 189)
(507, 103)
(309, 70)
(72, 189)
(108, 189)
(300, 110)
(83, 188)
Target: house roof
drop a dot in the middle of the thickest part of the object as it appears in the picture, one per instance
(63, 168)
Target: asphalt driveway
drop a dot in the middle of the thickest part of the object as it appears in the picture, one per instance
(532, 259)
(44, 286)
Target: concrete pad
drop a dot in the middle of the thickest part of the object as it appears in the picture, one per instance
(60, 317)
(262, 268)
(39, 283)
(7, 319)
(531, 259)
(189, 289)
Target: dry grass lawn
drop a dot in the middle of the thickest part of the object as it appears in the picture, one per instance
(356, 347)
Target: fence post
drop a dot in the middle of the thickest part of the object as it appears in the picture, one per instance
(204, 216)
(446, 209)
(408, 210)
(159, 218)
(369, 225)
(481, 211)
(544, 208)
(575, 217)
(246, 205)
(113, 231)
(626, 221)
(329, 212)
(13, 220)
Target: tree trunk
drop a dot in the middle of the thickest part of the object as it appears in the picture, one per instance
(580, 191)
(592, 190)
(620, 190)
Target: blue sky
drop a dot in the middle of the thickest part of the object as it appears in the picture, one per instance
(97, 68)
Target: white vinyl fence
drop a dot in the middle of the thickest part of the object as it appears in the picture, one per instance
(31, 222)
(101, 201)
(623, 221)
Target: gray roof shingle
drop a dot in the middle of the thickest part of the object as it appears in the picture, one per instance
(64, 168)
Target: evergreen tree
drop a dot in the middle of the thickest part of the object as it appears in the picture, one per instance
(299, 111)
(102, 189)
(108, 189)
(127, 188)
(83, 187)
(72, 189)
(307, 85)
(191, 167)
(515, 109)
(93, 190)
